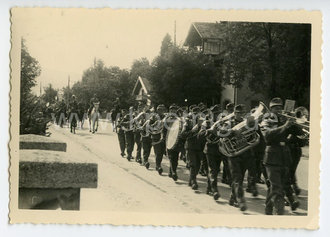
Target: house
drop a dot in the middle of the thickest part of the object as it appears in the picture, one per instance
(141, 90)
(208, 38)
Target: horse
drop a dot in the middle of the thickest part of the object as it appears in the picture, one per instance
(94, 118)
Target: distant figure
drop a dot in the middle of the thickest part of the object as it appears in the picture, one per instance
(61, 113)
(91, 103)
(73, 111)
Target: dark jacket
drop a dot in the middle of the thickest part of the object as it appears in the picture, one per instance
(277, 152)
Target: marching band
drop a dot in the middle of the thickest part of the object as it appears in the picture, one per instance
(263, 141)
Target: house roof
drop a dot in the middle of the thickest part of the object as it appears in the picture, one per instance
(142, 82)
(204, 30)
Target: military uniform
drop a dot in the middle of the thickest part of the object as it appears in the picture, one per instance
(137, 139)
(173, 153)
(121, 135)
(214, 157)
(239, 164)
(156, 125)
(145, 137)
(194, 146)
(127, 126)
(277, 161)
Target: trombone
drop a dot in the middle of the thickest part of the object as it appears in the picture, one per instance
(300, 118)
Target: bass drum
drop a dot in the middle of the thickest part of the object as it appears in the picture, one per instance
(173, 133)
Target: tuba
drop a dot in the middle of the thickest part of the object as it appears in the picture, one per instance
(245, 137)
(212, 138)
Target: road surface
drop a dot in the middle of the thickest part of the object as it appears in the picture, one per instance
(128, 186)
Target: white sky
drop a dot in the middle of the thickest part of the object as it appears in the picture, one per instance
(66, 41)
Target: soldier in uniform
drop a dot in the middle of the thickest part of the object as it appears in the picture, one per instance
(141, 121)
(211, 149)
(194, 146)
(127, 125)
(277, 159)
(121, 132)
(240, 163)
(137, 134)
(226, 176)
(156, 126)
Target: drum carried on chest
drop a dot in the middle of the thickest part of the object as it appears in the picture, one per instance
(173, 133)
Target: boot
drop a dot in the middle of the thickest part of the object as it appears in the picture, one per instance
(254, 191)
(147, 165)
(194, 185)
(233, 201)
(160, 170)
(279, 205)
(269, 209)
(175, 176)
(242, 204)
(296, 189)
(294, 203)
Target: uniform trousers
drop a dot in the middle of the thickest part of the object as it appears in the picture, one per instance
(214, 160)
(195, 158)
(122, 142)
(238, 166)
(137, 140)
(129, 138)
(159, 150)
(146, 146)
(173, 156)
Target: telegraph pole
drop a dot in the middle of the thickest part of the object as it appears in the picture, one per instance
(174, 33)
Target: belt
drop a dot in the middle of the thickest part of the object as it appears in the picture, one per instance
(277, 144)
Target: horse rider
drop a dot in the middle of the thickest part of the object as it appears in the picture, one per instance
(277, 159)
(92, 101)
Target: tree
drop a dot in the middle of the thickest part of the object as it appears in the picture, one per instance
(273, 57)
(167, 45)
(50, 94)
(107, 83)
(140, 67)
(33, 118)
(180, 75)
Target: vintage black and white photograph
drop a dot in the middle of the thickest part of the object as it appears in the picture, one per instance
(155, 112)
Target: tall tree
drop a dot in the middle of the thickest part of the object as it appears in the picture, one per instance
(181, 75)
(50, 94)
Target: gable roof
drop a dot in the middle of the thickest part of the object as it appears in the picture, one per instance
(204, 30)
(144, 83)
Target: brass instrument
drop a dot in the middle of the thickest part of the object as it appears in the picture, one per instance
(245, 137)
(300, 118)
(212, 138)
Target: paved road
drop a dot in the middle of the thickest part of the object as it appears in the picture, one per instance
(128, 186)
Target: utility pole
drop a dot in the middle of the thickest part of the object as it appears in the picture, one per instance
(40, 88)
(174, 33)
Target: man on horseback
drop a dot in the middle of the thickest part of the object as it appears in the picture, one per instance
(91, 103)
